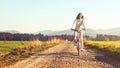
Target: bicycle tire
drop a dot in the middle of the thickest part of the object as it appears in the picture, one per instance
(78, 50)
(78, 47)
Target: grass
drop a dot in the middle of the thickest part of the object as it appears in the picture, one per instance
(8, 46)
(42, 48)
(18, 50)
(110, 48)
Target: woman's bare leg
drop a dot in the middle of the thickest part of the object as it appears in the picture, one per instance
(81, 40)
(75, 39)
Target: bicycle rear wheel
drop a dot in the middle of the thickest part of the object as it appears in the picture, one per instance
(78, 50)
(78, 47)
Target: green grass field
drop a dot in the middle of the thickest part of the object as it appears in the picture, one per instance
(13, 51)
(109, 47)
(104, 44)
(8, 46)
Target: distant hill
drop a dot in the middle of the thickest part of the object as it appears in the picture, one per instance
(68, 32)
(90, 32)
(112, 31)
(11, 31)
(47, 32)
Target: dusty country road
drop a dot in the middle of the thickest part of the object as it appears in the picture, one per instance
(65, 56)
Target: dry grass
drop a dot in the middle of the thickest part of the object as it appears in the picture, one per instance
(20, 53)
(111, 48)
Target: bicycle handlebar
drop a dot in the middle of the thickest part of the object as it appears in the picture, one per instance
(77, 30)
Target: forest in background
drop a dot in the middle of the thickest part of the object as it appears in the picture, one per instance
(31, 37)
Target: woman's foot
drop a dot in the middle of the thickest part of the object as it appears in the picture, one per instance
(82, 49)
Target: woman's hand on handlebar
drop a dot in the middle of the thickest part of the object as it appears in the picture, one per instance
(84, 29)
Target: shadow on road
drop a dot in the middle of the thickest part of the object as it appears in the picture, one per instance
(61, 54)
(103, 58)
(107, 60)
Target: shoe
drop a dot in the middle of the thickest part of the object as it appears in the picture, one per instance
(75, 40)
(75, 43)
(82, 49)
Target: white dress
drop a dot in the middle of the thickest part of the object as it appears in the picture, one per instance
(78, 24)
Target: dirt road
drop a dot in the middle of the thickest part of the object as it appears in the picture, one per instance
(65, 56)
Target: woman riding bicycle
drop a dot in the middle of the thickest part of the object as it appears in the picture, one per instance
(79, 26)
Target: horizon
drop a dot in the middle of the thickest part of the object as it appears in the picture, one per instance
(53, 30)
(31, 16)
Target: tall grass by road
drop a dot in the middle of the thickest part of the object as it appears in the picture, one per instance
(7, 46)
(13, 51)
(110, 48)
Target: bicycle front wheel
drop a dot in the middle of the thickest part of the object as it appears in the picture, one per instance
(78, 48)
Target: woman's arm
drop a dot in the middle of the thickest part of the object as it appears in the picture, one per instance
(73, 25)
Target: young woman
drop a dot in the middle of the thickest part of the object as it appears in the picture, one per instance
(79, 26)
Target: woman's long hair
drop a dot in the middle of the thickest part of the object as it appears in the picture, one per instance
(78, 16)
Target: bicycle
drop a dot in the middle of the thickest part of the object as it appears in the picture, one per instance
(78, 39)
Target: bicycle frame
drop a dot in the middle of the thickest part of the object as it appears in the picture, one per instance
(78, 40)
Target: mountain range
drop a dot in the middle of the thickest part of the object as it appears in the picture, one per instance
(11, 31)
(88, 31)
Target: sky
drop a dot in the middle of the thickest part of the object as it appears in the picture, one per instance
(29, 16)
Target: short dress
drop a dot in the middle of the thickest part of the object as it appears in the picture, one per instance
(78, 24)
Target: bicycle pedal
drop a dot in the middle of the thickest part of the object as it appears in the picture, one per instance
(77, 40)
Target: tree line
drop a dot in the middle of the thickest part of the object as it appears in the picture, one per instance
(30, 37)
(103, 37)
